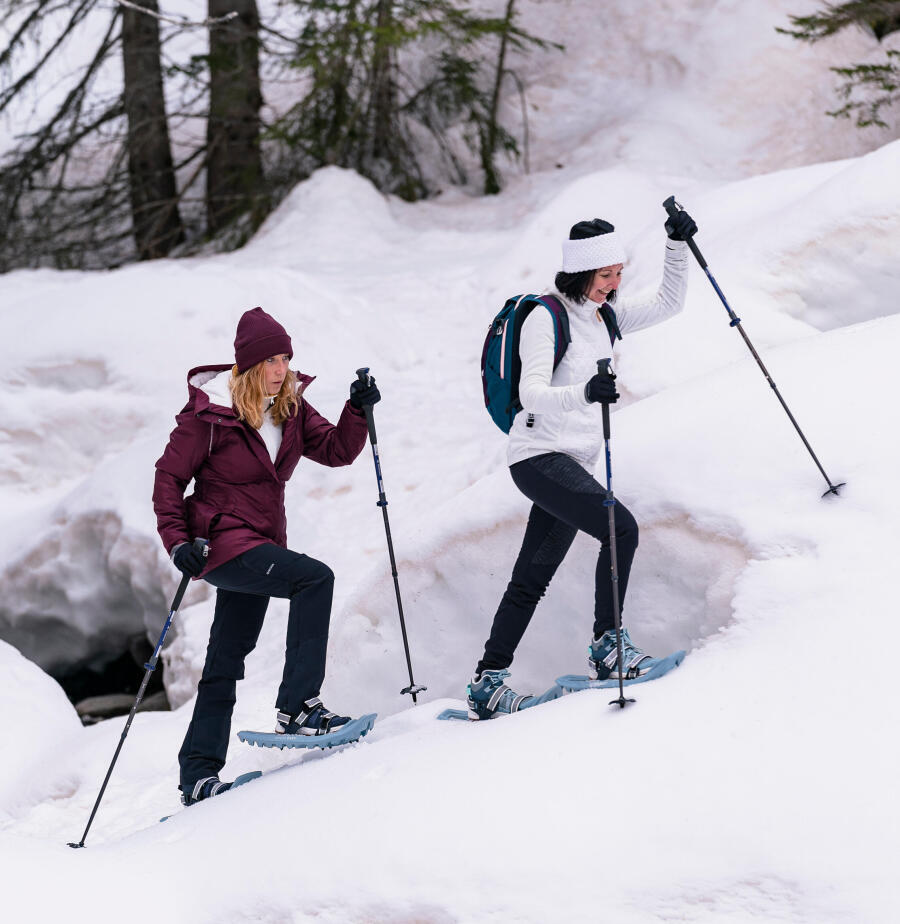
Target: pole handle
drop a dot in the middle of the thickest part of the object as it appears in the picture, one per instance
(202, 545)
(672, 209)
(604, 367)
(362, 374)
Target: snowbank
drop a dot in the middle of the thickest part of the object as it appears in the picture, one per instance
(38, 723)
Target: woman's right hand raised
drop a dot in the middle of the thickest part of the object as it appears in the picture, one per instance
(364, 394)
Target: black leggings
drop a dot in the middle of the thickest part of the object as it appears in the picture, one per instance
(244, 586)
(566, 498)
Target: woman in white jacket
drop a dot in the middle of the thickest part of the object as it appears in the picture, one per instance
(556, 441)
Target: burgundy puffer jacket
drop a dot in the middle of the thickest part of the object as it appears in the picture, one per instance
(238, 499)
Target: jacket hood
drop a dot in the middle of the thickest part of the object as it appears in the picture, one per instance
(208, 387)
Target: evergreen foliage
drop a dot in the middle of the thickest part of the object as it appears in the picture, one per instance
(868, 89)
(383, 73)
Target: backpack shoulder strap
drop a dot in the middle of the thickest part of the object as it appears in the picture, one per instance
(607, 312)
(561, 324)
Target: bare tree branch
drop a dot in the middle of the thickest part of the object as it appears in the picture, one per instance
(10, 92)
(181, 21)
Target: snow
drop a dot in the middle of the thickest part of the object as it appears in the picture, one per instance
(756, 782)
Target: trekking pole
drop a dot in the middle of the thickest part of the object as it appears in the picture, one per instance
(150, 666)
(363, 376)
(604, 368)
(673, 208)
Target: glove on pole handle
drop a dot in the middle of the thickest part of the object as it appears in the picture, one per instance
(604, 368)
(203, 546)
(363, 376)
(673, 208)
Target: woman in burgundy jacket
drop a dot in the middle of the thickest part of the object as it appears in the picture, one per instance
(239, 438)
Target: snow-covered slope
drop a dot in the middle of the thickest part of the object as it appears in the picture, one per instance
(754, 783)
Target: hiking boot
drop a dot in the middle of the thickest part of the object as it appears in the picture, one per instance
(603, 658)
(489, 696)
(206, 788)
(313, 719)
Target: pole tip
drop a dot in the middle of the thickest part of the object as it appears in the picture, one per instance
(621, 702)
(835, 489)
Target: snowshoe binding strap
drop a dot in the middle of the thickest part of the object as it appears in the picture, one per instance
(513, 701)
(489, 696)
(632, 668)
(313, 719)
(206, 788)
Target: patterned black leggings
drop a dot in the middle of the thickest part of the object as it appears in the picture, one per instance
(565, 499)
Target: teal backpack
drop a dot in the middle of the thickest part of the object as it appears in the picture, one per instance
(500, 363)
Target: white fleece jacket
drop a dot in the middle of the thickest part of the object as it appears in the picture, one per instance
(562, 418)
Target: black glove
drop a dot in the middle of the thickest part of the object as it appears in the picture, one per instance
(188, 559)
(602, 387)
(681, 226)
(364, 394)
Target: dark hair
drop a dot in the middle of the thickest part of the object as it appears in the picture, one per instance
(575, 285)
(589, 229)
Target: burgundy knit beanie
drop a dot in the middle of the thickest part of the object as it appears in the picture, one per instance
(258, 337)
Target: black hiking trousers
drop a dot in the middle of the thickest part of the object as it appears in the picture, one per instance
(244, 586)
(565, 499)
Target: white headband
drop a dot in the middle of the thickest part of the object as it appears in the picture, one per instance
(593, 252)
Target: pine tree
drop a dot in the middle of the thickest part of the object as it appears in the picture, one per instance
(868, 89)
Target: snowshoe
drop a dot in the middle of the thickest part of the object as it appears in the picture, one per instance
(553, 693)
(603, 672)
(603, 658)
(351, 730)
(211, 786)
(206, 788)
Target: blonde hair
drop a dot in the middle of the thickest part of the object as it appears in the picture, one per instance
(248, 393)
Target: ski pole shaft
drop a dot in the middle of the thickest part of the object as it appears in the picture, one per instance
(149, 667)
(673, 208)
(603, 368)
(413, 689)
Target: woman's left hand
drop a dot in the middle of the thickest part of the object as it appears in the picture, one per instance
(681, 226)
(364, 394)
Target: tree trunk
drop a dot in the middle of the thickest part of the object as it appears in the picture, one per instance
(384, 109)
(156, 221)
(234, 163)
(339, 128)
(489, 143)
